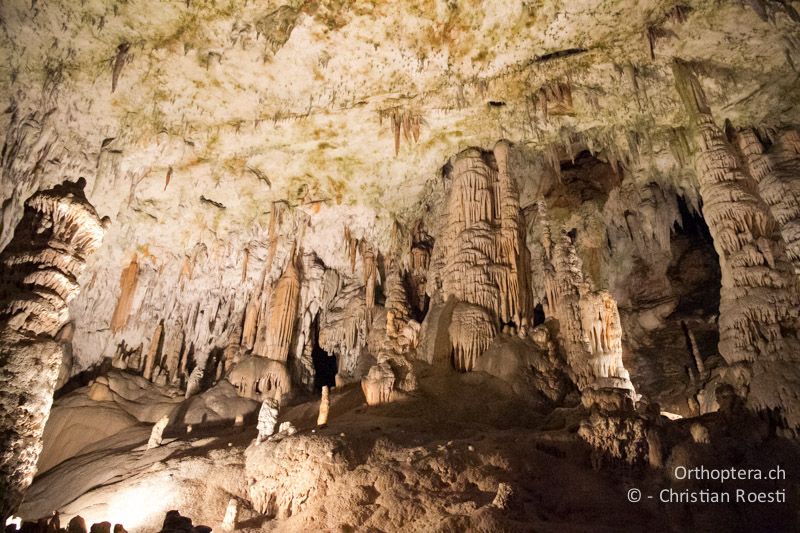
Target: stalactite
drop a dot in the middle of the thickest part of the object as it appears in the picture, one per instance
(759, 304)
(250, 327)
(173, 342)
(370, 266)
(152, 351)
(471, 331)
(777, 173)
(554, 98)
(275, 220)
(127, 286)
(485, 263)
(39, 270)
(245, 262)
(405, 125)
(282, 314)
(351, 247)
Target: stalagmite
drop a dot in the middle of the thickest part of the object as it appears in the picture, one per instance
(157, 433)
(378, 385)
(589, 322)
(502, 500)
(695, 350)
(194, 382)
(759, 303)
(324, 407)
(231, 514)
(267, 419)
(39, 270)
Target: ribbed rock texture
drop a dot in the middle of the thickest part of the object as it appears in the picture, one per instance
(39, 270)
(760, 303)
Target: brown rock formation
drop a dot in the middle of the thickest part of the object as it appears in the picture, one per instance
(759, 304)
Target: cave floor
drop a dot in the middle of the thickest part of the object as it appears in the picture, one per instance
(429, 462)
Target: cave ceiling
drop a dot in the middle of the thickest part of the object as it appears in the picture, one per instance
(189, 118)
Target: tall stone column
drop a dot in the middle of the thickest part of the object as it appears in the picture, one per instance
(39, 272)
(759, 304)
(777, 173)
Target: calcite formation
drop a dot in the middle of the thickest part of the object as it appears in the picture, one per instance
(279, 324)
(589, 320)
(378, 385)
(759, 305)
(157, 433)
(471, 331)
(469, 229)
(484, 262)
(267, 419)
(39, 270)
(324, 407)
(259, 378)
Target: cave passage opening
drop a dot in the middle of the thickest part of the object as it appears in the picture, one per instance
(325, 364)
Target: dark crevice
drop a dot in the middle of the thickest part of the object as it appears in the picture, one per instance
(325, 365)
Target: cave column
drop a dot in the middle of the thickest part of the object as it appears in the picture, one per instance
(759, 305)
(39, 270)
(778, 176)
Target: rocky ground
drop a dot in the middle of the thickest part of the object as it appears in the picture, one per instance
(432, 462)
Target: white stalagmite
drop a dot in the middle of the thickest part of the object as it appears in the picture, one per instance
(267, 419)
(193, 384)
(324, 407)
(157, 433)
(378, 385)
(231, 514)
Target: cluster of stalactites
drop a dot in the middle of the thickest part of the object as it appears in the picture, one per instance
(41, 265)
(282, 314)
(484, 259)
(259, 379)
(589, 322)
(471, 331)
(343, 332)
(777, 171)
(759, 301)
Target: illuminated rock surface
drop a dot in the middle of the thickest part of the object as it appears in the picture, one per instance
(534, 254)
